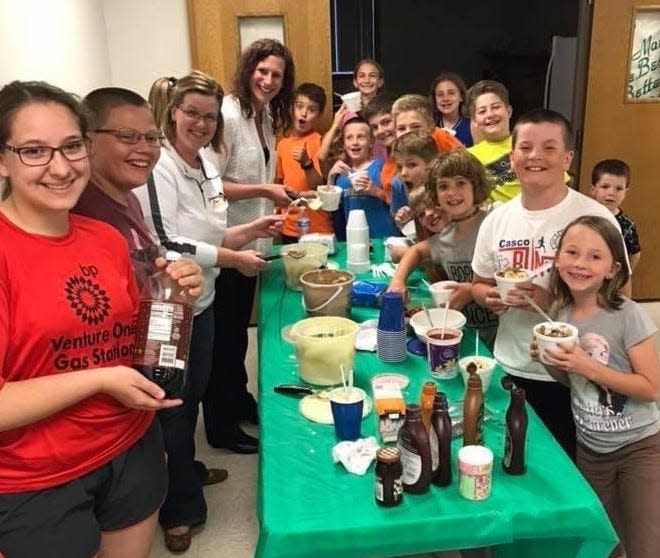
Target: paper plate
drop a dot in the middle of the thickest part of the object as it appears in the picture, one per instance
(316, 407)
(399, 379)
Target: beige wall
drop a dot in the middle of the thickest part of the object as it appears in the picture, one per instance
(83, 44)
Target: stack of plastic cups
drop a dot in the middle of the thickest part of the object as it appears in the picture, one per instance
(357, 242)
(391, 332)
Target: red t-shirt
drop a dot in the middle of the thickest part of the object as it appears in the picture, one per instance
(66, 303)
(293, 177)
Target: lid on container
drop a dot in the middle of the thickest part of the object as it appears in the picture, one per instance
(172, 256)
(388, 455)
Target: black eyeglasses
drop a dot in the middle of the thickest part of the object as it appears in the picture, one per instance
(191, 113)
(40, 155)
(132, 137)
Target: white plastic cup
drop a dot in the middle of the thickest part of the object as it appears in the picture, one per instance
(330, 196)
(352, 101)
(354, 177)
(358, 253)
(475, 470)
(357, 219)
(547, 341)
(357, 236)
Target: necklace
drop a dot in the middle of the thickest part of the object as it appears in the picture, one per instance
(466, 217)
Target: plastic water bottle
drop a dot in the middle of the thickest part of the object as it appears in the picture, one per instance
(302, 221)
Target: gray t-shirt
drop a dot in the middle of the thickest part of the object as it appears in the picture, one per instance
(455, 257)
(606, 420)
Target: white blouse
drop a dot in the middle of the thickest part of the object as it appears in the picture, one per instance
(243, 161)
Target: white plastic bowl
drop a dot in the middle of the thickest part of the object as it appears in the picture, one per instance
(420, 323)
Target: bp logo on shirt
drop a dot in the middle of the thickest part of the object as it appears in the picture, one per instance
(88, 300)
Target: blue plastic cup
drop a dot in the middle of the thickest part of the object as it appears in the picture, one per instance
(346, 405)
(391, 317)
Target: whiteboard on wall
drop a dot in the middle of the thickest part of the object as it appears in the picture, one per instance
(252, 28)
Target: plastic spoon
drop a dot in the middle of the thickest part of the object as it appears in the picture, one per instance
(444, 319)
(428, 314)
(538, 308)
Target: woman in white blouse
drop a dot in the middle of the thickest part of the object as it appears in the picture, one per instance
(259, 106)
(184, 205)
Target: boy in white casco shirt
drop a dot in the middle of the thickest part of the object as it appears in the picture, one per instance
(524, 233)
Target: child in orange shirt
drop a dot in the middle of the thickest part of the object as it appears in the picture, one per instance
(297, 160)
(378, 113)
(414, 112)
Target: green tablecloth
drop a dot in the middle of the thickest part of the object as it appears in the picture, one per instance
(311, 508)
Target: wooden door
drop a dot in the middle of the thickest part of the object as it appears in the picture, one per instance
(215, 38)
(617, 128)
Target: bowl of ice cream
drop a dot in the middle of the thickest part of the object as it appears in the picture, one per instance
(484, 367)
(549, 334)
(508, 277)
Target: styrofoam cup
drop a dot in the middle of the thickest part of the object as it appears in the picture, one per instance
(330, 196)
(358, 253)
(504, 284)
(352, 101)
(357, 219)
(441, 291)
(548, 341)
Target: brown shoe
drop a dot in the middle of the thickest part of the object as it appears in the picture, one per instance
(215, 476)
(177, 543)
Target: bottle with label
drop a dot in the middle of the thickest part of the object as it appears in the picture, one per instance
(473, 409)
(442, 430)
(426, 402)
(413, 443)
(302, 220)
(163, 330)
(389, 472)
(516, 434)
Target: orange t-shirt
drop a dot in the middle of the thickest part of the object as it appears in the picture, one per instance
(387, 173)
(293, 177)
(445, 141)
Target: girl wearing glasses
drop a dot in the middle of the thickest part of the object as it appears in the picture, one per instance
(185, 207)
(82, 466)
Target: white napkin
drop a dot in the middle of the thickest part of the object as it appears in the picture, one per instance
(356, 456)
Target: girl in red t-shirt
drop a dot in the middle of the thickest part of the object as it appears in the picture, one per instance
(82, 466)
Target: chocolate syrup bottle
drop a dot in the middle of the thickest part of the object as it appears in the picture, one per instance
(473, 409)
(516, 434)
(441, 427)
(163, 330)
(413, 442)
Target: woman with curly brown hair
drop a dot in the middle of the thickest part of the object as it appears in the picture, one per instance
(259, 106)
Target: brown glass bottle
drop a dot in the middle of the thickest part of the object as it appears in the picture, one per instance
(413, 442)
(516, 434)
(473, 409)
(426, 402)
(441, 427)
(163, 331)
(388, 486)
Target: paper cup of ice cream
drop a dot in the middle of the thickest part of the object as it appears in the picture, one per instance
(508, 278)
(549, 334)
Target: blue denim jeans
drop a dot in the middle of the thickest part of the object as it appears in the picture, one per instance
(185, 503)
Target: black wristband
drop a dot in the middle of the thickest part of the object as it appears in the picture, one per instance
(306, 164)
